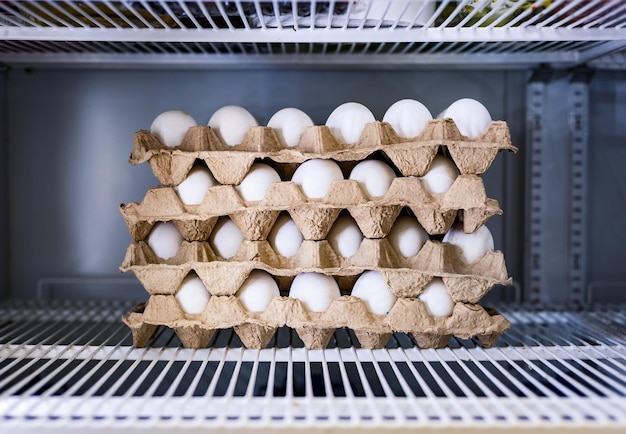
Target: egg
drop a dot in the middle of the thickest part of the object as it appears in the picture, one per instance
(285, 237)
(344, 236)
(407, 236)
(436, 298)
(373, 176)
(347, 121)
(316, 176)
(257, 181)
(289, 125)
(193, 189)
(469, 115)
(315, 290)
(473, 246)
(440, 176)
(408, 117)
(192, 295)
(164, 239)
(374, 291)
(225, 238)
(257, 291)
(171, 126)
(231, 123)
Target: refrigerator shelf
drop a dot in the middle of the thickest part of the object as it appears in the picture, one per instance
(520, 33)
(70, 366)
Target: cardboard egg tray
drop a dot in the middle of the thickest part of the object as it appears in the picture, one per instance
(314, 217)
(229, 165)
(315, 329)
(406, 277)
(465, 204)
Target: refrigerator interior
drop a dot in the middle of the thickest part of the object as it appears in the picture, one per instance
(81, 78)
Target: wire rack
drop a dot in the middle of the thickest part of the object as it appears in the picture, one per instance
(514, 33)
(71, 365)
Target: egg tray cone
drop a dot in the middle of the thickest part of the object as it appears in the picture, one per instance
(229, 165)
(315, 328)
(314, 217)
(406, 277)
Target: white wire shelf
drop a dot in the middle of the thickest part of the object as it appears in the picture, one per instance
(70, 366)
(514, 33)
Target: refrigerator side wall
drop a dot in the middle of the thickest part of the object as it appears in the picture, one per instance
(4, 190)
(607, 188)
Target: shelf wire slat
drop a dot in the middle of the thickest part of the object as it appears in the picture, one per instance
(438, 27)
(553, 368)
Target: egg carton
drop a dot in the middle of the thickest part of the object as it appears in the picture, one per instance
(315, 329)
(314, 217)
(229, 165)
(406, 277)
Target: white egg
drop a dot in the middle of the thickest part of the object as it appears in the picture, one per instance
(344, 236)
(373, 290)
(225, 238)
(231, 123)
(436, 298)
(473, 246)
(407, 236)
(373, 176)
(440, 176)
(408, 117)
(469, 115)
(257, 291)
(193, 189)
(316, 176)
(164, 239)
(315, 290)
(192, 295)
(171, 126)
(289, 125)
(256, 183)
(347, 121)
(285, 237)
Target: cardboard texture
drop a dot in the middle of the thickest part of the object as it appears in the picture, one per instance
(406, 277)
(141, 331)
(316, 328)
(314, 217)
(412, 157)
(465, 204)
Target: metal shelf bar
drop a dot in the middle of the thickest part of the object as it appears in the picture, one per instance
(44, 400)
(603, 21)
(81, 382)
(232, 34)
(96, 8)
(552, 19)
(50, 362)
(569, 19)
(45, 333)
(553, 369)
(79, 11)
(68, 16)
(377, 417)
(596, 13)
(536, 343)
(26, 12)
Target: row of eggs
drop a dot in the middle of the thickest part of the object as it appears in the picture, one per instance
(315, 178)
(407, 117)
(406, 237)
(316, 291)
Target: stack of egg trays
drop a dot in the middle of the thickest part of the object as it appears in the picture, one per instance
(465, 203)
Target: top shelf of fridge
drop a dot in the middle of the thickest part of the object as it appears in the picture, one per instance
(503, 33)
